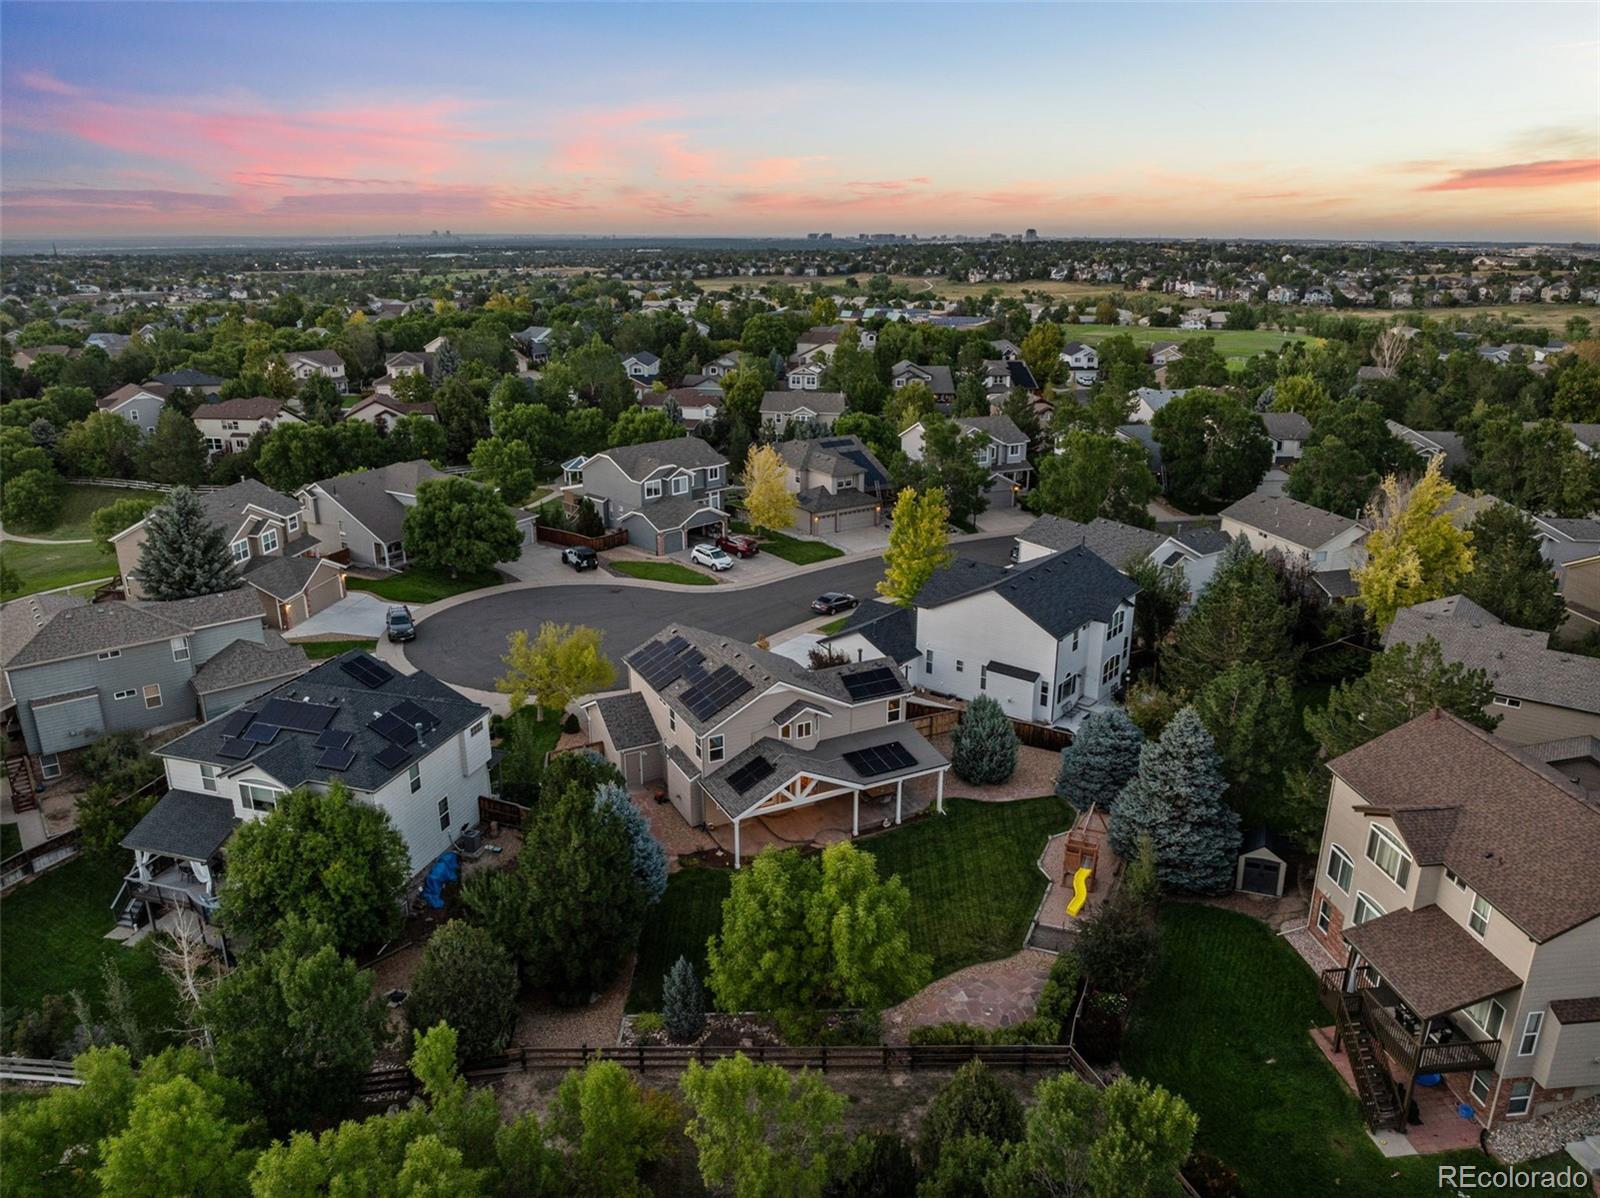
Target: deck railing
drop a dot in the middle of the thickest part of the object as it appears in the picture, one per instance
(1401, 1043)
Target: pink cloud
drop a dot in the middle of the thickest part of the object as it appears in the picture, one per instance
(1555, 172)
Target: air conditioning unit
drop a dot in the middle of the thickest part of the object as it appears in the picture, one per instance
(470, 841)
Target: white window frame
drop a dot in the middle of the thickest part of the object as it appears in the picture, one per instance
(215, 444)
(1518, 1105)
(49, 766)
(1075, 633)
(1479, 1078)
(1380, 839)
(414, 775)
(293, 523)
(1482, 1014)
(180, 649)
(241, 550)
(156, 687)
(444, 813)
(1507, 701)
(253, 796)
(269, 540)
(208, 777)
(1324, 918)
(1365, 900)
(1044, 693)
(1478, 918)
(680, 484)
(652, 489)
(108, 654)
(1345, 860)
(1454, 878)
(716, 747)
(1112, 668)
(713, 474)
(119, 696)
(895, 711)
(983, 677)
(1118, 618)
(927, 661)
(475, 729)
(1528, 1042)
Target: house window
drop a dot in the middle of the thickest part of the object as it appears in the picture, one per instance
(1521, 1097)
(799, 730)
(215, 444)
(680, 485)
(1117, 619)
(1488, 1015)
(444, 814)
(961, 666)
(1529, 1043)
(119, 695)
(1480, 1086)
(241, 551)
(109, 654)
(133, 415)
(1044, 692)
(652, 489)
(1454, 878)
(294, 523)
(716, 747)
(1075, 633)
(269, 541)
(415, 775)
(1113, 667)
(1389, 855)
(208, 777)
(1340, 868)
(180, 649)
(49, 765)
(1324, 919)
(1365, 908)
(983, 678)
(1506, 701)
(713, 474)
(258, 798)
(152, 695)
(1067, 687)
(896, 710)
(475, 729)
(1478, 920)
(672, 720)
(927, 662)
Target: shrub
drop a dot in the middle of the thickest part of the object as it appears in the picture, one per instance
(1037, 1030)
(1099, 1032)
(949, 1033)
(1211, 1176)
(587, 520)
(984, 747)
(1060, 993)
(1117, 947)
(45, 1030)
(880, 1165)
(683, 1002)
(648, 1024)
(465, 979)
(973, 1102)
(829, 1029)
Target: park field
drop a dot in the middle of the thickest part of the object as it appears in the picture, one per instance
(1234, 344)
(918, 285)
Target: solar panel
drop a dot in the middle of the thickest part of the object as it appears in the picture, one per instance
(710, 696)
(392, 727)
(297, 716)
(880, 759)
(748, 774)
(260, 733)
(235, 747)
(660, 663)
(333, 739)
(336, 759)
(392, 757)
(872, 684)
(414, 714)
(236, 722)
(367, 670)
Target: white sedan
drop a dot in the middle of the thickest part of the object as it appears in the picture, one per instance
(710, 555)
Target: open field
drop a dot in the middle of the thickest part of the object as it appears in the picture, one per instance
(46, 567)
(1234, 344)
(78, 505)
(917, 284)
(1539, 316)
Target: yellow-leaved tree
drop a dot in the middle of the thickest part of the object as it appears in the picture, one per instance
(919, 544)
(1415, 552)
(556, 666)
(766, 489)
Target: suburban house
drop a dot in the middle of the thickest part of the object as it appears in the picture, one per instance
(695, 405)
(276, 557)
(1540, 694)
(1435, 443)
(817, 345)
(998, 444)
(838, 483)
(314, 363)
(1455, 892)
(121, 667)
(718, 367)
(534, 342)
(1165, 353)
(140, 404)
(1147, 401)
(1083, 361)
(1193, 551)
(197, 381)
(737, 733)
(1325, 541)
(405, 743)
(641, 365)
(228, 425)
(938, 379)
(1576, 565)
(406, 362)
(1047, 640)
(1288, 432)
(1001, 375)
(810, 409)
(382, 410)
(806, 377)
(664, 493)
(23, 358)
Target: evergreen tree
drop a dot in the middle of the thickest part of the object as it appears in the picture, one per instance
(1102, 758)
(184, 553)
(972, 1103)
(984, 746)
(1251, 717)
(465, 979)
(175, 452)
(1176, 800)
(649, 861)
(1239, 617)
(1509, 575)
(683, 1002)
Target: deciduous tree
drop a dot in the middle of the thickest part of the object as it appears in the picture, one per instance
(1214, 449)
(919, 544)
(102, 445)
(1095, 474)
(767, 498)
(972, 1103)
(506, 466)
(178, 1140)
(459, 527)
(560, 663)
(639, 426)
(1415, 552)
(467, 980)
(114, 517)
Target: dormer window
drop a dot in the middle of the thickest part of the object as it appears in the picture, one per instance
(652, 489)
(241, 550)
(680, 484)
(269, 541)
(294, 524)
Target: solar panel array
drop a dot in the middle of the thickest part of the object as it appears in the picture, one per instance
(236, 722)
(336, 759)
(660, 663)
(748, 774)
(392, 728)
(392, 757)
(367, 670)
(333, 739)
(235, 748)
(296, 716)
(880, 759)
(716, 691)
(414, 714)
(872, 684)
(261, 734)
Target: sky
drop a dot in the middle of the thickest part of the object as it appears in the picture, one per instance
(1427, 121)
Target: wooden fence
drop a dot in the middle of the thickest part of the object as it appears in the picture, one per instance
(561, 536)
(500, 811)
(1039, 736)
(930, 720)
(135, 484)
(61, 848)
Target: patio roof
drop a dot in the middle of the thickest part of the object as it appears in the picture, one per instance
(1433, 963)
(183, 824)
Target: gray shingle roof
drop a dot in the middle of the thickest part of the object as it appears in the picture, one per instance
(1110, 540)
(1289, 519)
(100, 627)
(244, 662)
(889, 629)
(226, 508)
(1059, 593)
(1286, 426)
(281, 577)
(830, 402)
(367, 496)
(841, 456)
(826, 760)
(184, 824)
(1002, 428)
(669, 513)
(188, 378)
(639, 462)
(627, 718)
(819, 501)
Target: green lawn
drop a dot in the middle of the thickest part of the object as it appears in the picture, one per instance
(972, 874)
(833, 626)
(665, 572)
(78, 504)
(322, 650)
(1226, 1023)
(10, 841)
(46, 567)
(1234, 344)
(424, 586)
(55, 942)
(791, 549)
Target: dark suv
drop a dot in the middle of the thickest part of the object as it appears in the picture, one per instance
(400, 627)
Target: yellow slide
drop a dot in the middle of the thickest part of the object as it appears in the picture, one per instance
(1080, 890)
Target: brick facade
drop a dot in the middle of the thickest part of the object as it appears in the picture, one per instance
(1333, 938)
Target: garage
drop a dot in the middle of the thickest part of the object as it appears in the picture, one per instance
(1263, 865)
(864, 517)
(670, 542)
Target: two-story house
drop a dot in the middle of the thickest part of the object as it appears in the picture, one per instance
(278, 559)
(1195, 552)
(838, 483)
(1083, 361)
(1325, 541)
(641, 365)
(805, 376)
(121, 667)
(228, 424)
(937, 379)
(1288, 432)
(1000, 447)
(314, 363)
(1048, 640)
(738, 733)
(1002, 375)
(140, 404)
(197, 381)
(533, 342)
(664, 493)
(1147, 401)
(382, 410)
(404, 743)
(807, 408)
(1456, 894)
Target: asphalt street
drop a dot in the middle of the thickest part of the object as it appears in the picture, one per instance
(464, 644)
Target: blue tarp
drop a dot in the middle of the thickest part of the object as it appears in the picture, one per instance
(445, 869)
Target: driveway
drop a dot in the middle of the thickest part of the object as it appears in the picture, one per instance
(359, 616)
(463, 644)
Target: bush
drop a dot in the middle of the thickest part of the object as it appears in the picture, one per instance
(104, 821)
(1100, 1028)
(683, 1002)
(984, 747)
(1211, 1176)
(1060, 993)
(1117, 947)
(44, 1031)
(880, 1165)
(949, 1033)
(1037, 1030)
(973, 1102)
(587, 521)
(465, 979)
(831, 1030)
(649, 1023)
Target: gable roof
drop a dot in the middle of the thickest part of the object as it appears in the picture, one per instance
(1111, 540)
(1289, 519)
(243, 662)
(1286, 426)
(188, 378)
(888, 628)
(369, 495)
(320, 357)
(259, 407)
(132, 391)
(831, 402)
(1059, 593)
(101, 627)
(1001, 428)
(639, 462)
(839, 457)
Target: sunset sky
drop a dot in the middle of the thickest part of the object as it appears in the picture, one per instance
(1424, 121)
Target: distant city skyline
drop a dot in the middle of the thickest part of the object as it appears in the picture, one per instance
(1424, 122)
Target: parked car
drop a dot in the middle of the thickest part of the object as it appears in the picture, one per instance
(830, 602)
(710, 555)
(400, 626)
(738, 544)
(580, 557)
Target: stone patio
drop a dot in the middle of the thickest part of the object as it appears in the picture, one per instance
(991, 994)
(1036, 773)
(1441, 1128)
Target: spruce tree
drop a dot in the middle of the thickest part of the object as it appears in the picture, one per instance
(175, 451)
(1102, 758)
(184, 554)
(1176, 800)
(683, 1002)
(984, 746)
(1240, 617)
(649, 861)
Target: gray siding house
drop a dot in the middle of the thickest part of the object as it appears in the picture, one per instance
(662, 492)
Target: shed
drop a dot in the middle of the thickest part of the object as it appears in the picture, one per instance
(1263, 864)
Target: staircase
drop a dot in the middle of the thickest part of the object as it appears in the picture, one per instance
(1373, 1085)
(24, 796)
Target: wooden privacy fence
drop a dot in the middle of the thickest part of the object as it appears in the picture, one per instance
(930, 720)
(561, 536)
(60, 848)
(1038, 736)
(500, 811)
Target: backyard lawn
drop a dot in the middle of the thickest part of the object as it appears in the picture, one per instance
(972, 874)
(791, 549)
(55, 942)
(46, 567)
(1226, 1023)
(423, 586)
(665, 572)
(78, 504)
(322, 650)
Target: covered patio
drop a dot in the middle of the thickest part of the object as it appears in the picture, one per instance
(177, 856)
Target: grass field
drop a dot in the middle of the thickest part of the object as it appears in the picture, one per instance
(10, 841)
(791, 549)
(55, 942)
(972, 874)
(1226, 1023)
(46, 567)
(665, 572)
(1235, 344)
(78, 504)
(322, 650)
(1540, 316)
(423, 586)
(919, 286)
